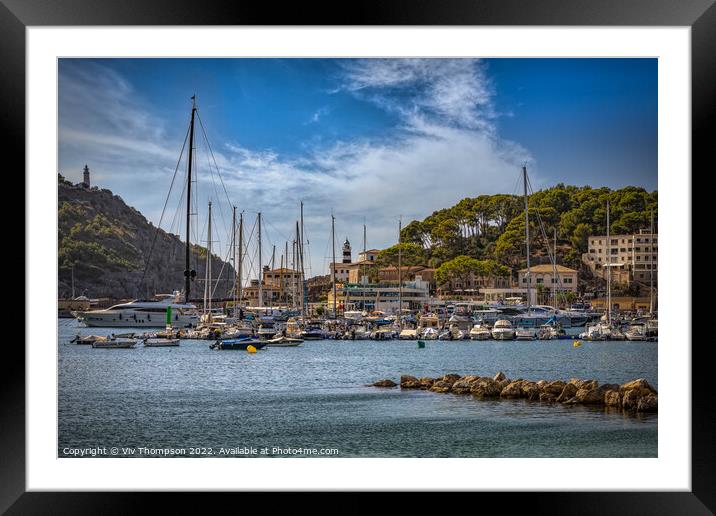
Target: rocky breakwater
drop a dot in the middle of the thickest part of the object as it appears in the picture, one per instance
(634, 396)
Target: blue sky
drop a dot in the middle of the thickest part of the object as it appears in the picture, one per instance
(369, 139)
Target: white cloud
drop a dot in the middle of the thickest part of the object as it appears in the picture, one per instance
(445, 148)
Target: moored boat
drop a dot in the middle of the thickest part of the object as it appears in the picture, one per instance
(160, 343)
(115, 344)
(283, 342)
(238, 344)
(480, 332)
(503, 330)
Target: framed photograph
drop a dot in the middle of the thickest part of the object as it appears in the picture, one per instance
(300, 252)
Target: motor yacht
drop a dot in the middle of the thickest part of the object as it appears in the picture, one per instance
(144, 313)
(503, 330)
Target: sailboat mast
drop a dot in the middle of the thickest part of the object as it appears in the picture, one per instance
(303, 271)
(72, 271)
(609, 272)
(187, 268)
(233, 249)
(300, 266)
(554, 272)
(207, 283)
(333, 270)
(527, 238)
(651, 270)
(400, 277)
(241, 256)
(261, 267)
(365, 256)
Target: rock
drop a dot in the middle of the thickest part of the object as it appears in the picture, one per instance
(426, 383)
(441, 386)
(407, 378)
(384, 383)
(612, 398)
(531, 391)
(513, 390)
(584, 384)
(641, 386)
(547, 397)
(556, 387)
(648, 403)
(589, 397)
(630, 399)
(486, 388)
(567, 393)
(451, 378)
(504, 383)
(464, 384)
(499, 377)
(409, 382)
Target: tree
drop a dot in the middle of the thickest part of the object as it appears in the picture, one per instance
(410, 254)
(462, 269)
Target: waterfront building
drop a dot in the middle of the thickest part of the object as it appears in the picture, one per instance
(278, 287)
(509, 295)
(634, 256)
(371, 255)
(564, 281)
(474, 285)
(360, 271)
(622, 303)
(381, 297)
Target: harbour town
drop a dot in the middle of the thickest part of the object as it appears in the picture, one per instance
(507, 322)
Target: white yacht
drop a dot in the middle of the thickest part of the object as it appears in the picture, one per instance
(144, 313)
(408, 334)
(503, 330)
(525, 334)
(480, 332)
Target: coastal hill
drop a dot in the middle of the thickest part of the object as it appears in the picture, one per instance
(105, 243)
(493, 226)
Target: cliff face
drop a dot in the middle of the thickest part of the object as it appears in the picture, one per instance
(107, 243)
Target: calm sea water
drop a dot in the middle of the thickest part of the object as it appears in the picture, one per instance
(314, 396)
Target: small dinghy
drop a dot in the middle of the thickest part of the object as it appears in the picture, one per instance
(115, 344)
(89, 339)
(160, 343)
(283, 342)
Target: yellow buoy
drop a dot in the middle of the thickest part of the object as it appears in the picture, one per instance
(576, 344)
(251, 349)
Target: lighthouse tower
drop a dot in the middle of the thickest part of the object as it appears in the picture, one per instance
(85, 177)
(347, 251)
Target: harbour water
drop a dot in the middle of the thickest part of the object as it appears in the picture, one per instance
(315, 396)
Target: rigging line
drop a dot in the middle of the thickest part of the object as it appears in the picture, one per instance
(156, 233)
(268, 223)
(213, 184)
(543, 232)
(218, 278)
(201, 124)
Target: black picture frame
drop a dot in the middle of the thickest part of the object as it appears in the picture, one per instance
(16, 15)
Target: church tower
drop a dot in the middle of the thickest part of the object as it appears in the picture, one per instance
(85, 176)
(347, 251)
